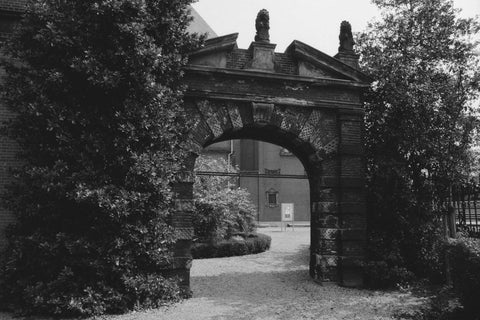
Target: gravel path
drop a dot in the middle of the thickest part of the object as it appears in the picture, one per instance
(274, 285)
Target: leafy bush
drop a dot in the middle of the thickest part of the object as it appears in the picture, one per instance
(96, 87)
(379, 274)
(418, 129)
(221, 210)
(253, 243)
(464, 261)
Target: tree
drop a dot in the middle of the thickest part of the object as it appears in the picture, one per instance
(221, 208)
(418, 127)
(97, 89)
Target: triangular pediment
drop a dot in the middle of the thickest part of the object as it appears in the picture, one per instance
(314, 63)
(299, 59)
(214, 51)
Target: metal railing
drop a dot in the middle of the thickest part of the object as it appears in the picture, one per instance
(465, 201)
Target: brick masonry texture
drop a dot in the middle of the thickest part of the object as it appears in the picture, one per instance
(8, 150)
(13, 5)
(239, 58)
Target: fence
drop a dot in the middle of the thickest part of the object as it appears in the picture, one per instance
(465, 202)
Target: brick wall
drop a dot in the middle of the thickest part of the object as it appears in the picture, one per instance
(284, 63)
(239, 58)
(8, 148)
(12, 5)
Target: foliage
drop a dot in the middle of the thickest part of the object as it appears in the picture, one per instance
(221, 209)
(236, 246)
(418, 126)
(464, 258)
(97, 89)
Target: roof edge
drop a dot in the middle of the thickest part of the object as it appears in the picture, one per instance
(321, 59)
(222, 43)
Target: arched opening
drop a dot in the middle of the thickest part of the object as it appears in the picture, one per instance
(336, 241)
(278, 186)
(304, 101)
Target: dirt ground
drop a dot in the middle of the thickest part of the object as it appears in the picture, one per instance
(275, 285)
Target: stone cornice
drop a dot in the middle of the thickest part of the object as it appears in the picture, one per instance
(317, 81)
(343, 106)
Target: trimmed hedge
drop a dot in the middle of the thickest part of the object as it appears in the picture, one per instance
(464, 259)
(236, 246)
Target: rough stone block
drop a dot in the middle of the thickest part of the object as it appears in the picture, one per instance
(328, 221)
(327, 261)
(319, 207)
(328, 234)
(327, 195)
(327, 274)
(327, 247)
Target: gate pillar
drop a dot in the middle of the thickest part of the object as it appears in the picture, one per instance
(182, 224)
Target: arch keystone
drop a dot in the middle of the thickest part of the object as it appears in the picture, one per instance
(262, 112)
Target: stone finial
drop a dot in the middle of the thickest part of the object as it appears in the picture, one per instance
(262, 24)
(346, 37)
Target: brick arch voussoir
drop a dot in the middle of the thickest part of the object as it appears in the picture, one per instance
(294, 119)
(216, 115)
(320, 130)
(200, 133)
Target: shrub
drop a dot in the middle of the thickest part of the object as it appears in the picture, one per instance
(96, 87)
(252, 244)
(379, 274)
(464, 260)
(419, 125)
(220, 209)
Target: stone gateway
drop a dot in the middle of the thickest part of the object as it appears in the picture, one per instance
(303, 100)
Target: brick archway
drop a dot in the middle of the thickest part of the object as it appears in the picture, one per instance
(302, 100)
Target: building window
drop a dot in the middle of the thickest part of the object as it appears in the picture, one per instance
(272, 198)
(285, 152)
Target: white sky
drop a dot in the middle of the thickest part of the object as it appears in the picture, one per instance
(315, 22)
